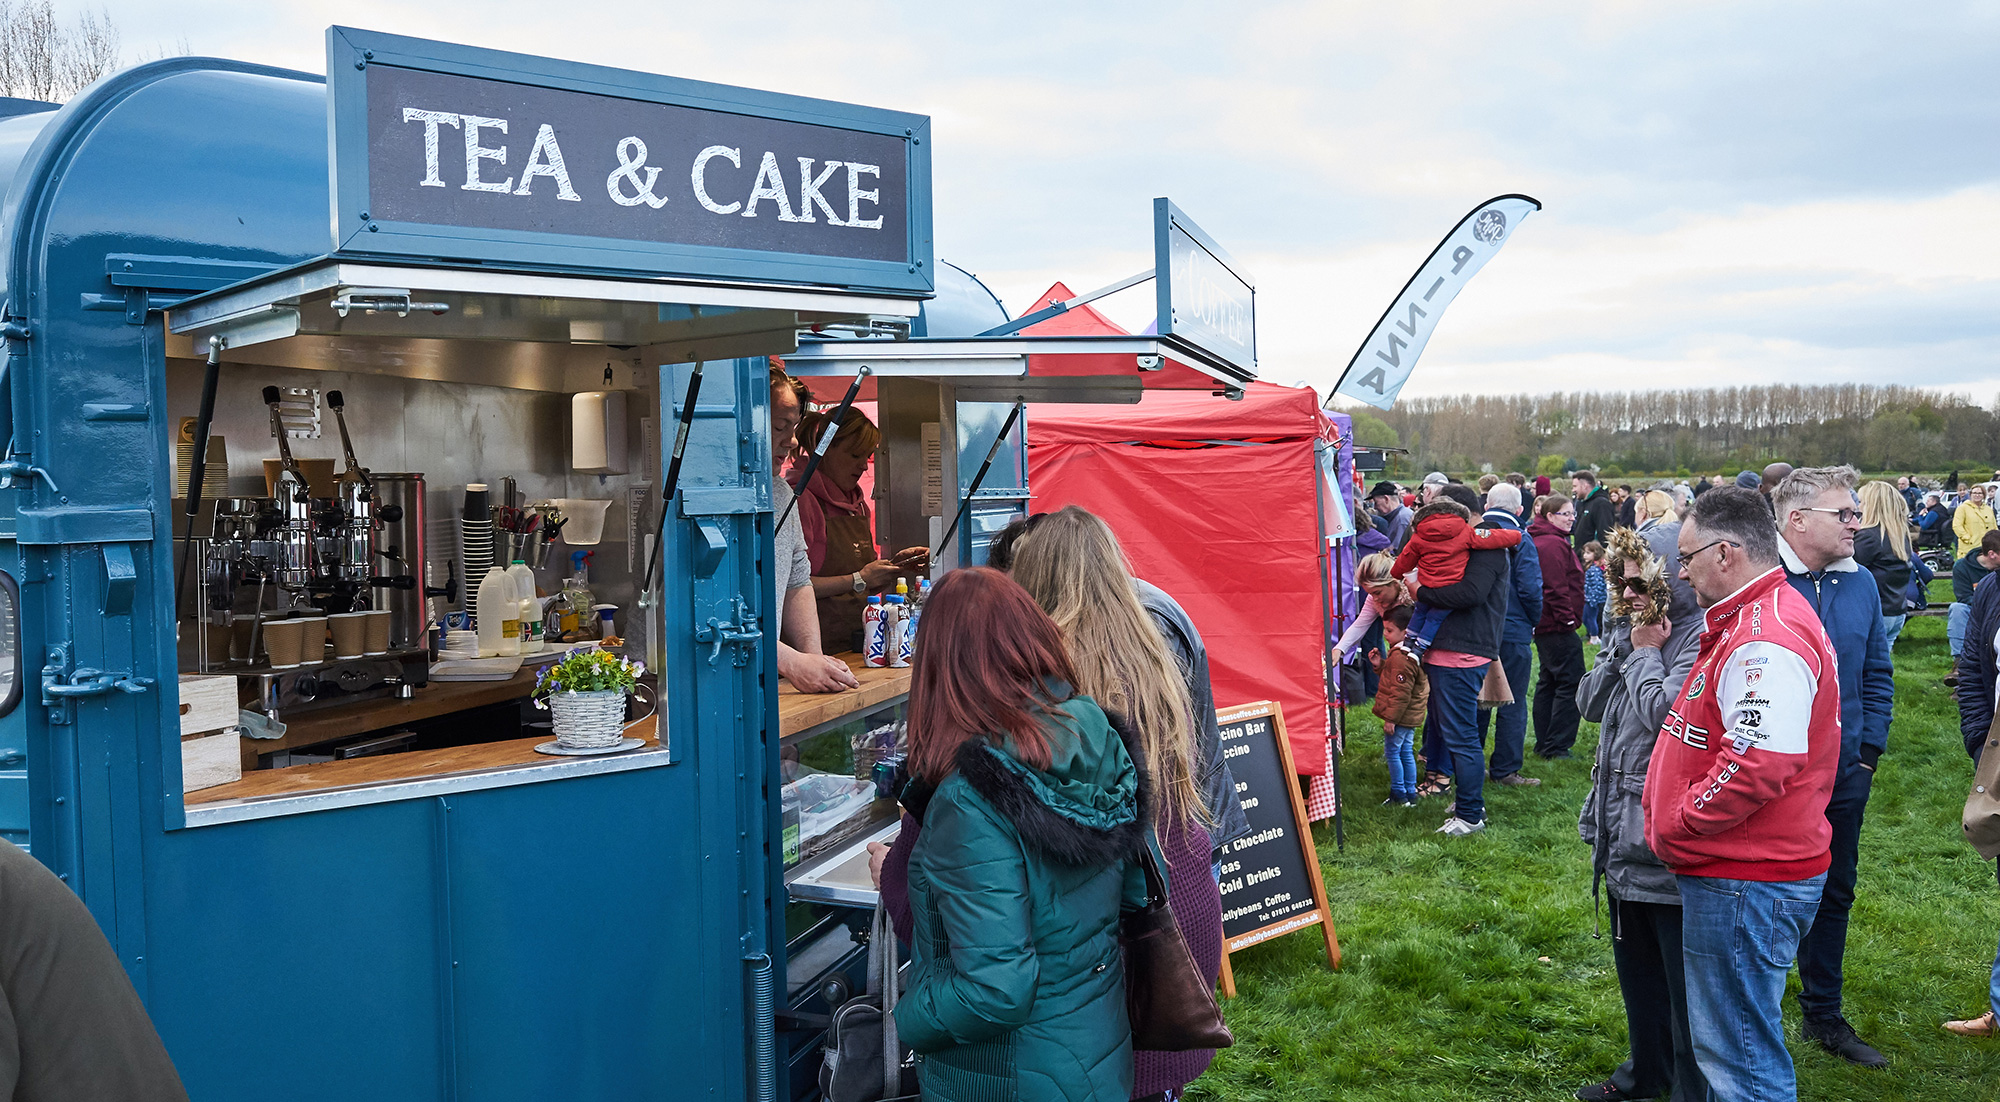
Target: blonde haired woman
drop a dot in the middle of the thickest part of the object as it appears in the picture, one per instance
(1656, 507)
(1070, 562)
(1972, 520)
(1883, 546)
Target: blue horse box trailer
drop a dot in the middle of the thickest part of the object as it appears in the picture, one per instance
(469, 919)
(380, 887)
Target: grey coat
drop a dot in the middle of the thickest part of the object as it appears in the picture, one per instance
(1628, 693)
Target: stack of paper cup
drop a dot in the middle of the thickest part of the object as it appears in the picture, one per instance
(284, 640)
(313, 647)
(376, 630)
(350, 633)
(460, 644)
(475, 543)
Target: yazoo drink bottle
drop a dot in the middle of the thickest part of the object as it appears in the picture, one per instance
(874, 636)
(896, 637)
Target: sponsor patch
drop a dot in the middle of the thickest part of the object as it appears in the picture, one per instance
(1697, 685)
(1751, 677)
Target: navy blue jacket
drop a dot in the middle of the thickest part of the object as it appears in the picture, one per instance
(1850, 608)
(1524, 588)
(1977, 668)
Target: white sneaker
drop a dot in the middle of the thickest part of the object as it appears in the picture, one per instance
(1458, 828)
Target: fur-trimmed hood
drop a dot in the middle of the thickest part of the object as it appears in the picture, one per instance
(1087, 808)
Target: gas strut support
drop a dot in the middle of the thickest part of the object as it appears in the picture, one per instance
(198, 461)
(825, 441)
(1005, 428)
(673, 479)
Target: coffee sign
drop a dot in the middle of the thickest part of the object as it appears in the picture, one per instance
(1204, 298)
(1270, 879)
(446, 151)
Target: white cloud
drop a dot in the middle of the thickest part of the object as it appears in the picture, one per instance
(1735, 192)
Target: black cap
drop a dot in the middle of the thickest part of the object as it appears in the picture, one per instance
(1385, 488)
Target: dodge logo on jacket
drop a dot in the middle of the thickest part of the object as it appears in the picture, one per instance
(1740, 776)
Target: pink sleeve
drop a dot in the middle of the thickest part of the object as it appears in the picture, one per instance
(1371, 611)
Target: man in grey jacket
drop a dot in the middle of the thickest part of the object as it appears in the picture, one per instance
(1640, 669)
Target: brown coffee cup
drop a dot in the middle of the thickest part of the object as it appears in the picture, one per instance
(283, 640)
(350, 631)
(377, 635)
(313, 647)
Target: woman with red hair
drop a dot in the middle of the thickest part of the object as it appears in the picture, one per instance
(1030, 812)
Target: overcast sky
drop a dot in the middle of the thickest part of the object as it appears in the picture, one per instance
(1734, 192)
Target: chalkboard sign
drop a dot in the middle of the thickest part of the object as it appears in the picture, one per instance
(1270, 877)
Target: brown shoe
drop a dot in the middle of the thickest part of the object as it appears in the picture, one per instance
(1519, 781)
(1982, 1026)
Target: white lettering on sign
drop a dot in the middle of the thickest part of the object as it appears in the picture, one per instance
(1214, 294)
(634, 182)
(475, 153)
(546, 159)
(701, 182)
(431, 120)
(809, 195)
(775, 190)
(1230, 866)
(855, 195)
(1261, 875)
(1250, 803)
(631, 162)
(1256, 839)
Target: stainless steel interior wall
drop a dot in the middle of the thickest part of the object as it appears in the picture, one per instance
(452, 433)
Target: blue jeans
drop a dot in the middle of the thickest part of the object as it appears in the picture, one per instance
(1993, 993)
(1425, 619)
(1510, 733)
(1454, 708)
(1892, 626)
(1399, 746)
(1957, 619)
(1738, 939)
(1593, 620)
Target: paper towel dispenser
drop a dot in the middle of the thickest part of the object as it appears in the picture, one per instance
(597, 433)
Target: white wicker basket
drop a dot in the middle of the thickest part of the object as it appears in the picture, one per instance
(588, 721)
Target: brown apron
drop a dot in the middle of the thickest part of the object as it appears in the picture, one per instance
(850, 545)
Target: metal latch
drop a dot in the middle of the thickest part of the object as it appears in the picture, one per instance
(61, 690)
(383, 300)
(741, 633)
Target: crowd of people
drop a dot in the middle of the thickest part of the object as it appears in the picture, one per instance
(1062, 735)
(1743, 689)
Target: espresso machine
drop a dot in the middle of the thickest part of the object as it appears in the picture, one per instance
(296, 554)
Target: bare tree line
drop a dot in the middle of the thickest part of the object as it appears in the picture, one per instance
(1878, 426)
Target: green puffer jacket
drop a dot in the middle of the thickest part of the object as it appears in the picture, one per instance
(1016, 988)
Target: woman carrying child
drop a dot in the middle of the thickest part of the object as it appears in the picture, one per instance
(1440, 541)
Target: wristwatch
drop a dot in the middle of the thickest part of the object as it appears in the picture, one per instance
(860, 586)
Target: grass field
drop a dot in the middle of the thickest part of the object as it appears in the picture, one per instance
(1471, 971)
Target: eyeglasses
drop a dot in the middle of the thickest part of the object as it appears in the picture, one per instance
(1634, 584)
(1845, 516)
(1684, 560)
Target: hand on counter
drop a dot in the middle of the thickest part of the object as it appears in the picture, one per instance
(814, 673)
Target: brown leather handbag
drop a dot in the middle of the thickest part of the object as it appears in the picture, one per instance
(1171, 1004)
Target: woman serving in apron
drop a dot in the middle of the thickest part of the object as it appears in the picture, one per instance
(840, 529)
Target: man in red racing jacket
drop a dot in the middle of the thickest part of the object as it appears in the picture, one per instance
(1737, 789)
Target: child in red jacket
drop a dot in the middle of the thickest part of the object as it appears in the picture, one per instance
(1440, 541)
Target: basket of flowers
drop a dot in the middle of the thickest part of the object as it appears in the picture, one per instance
(584, 695)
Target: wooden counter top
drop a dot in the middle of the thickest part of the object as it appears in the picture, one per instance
(347, 720)
(799, 711)
(400, 767)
